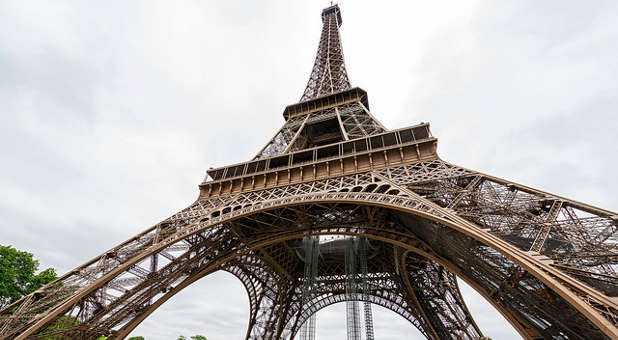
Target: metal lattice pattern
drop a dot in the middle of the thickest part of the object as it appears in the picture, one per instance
(437, 292)
(508, 286)
(368, 316)
(328, 74)
(311, 253)
(282, 139)
(353, 118)
(357, 121)
(106, 286)
(384, 288)
(351, 291)
(579, 238)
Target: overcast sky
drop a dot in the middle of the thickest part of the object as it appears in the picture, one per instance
(110, 113)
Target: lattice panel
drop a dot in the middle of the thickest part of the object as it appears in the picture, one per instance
(503, 209)
(357, 122)
(508, 285)
(282, 138)
(439, 296)
(328, 74)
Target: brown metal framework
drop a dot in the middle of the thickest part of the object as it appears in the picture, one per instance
(547, 263)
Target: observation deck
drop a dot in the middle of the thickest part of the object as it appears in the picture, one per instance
(395, 147)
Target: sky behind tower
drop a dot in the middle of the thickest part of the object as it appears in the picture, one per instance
(110, 113)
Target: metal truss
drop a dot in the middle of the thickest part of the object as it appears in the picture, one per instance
(283, 138)
(357, 121)
(353, 120)
(310, 259)
(438, 294)
(537, 292)
(328, 77)
(328, 74)
(548, 264)
(351, 291)
(368, 316)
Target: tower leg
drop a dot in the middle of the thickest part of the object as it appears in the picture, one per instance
(439, 298)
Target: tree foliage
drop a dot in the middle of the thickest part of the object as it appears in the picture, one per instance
(18, 278)
(55, 330)
(17, 275)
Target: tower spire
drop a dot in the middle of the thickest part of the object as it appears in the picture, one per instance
(328, 74)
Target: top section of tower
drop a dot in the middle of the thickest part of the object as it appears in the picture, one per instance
(330, 132)
(330, 10)
(328, 75)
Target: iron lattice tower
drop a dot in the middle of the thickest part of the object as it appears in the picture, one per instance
(547, 263)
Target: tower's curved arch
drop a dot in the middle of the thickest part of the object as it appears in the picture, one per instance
(410, 206)
(395, 305)
(238, 269)
(374, 233)
(217, 304)
(325, 302)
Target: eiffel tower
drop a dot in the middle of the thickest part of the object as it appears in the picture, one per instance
(337, 208)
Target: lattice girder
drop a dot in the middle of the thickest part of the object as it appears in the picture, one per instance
(385, 289)
(351, 120)
(438, 295)
(421, 206)
(439, 182)
(328, 74)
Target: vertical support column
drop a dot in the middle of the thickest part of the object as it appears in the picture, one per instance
(311, 249)
(362, 254)
(352, 309)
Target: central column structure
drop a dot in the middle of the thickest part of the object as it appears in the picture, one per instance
(362, 255)
(352, 310)
(311, 257)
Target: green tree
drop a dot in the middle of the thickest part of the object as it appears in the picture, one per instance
(198, 337)
(55, 330)
(136, 338)
(17, 275)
